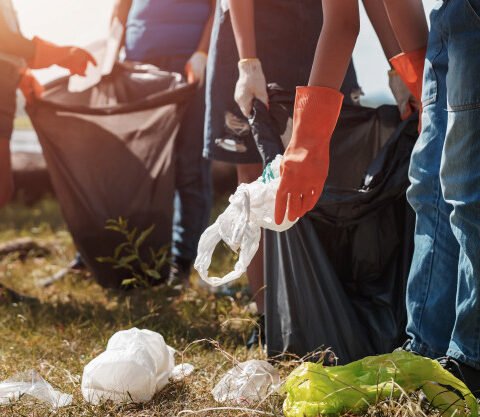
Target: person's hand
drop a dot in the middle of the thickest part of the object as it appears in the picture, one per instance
(251, 84)
(407, 104)
(305, 163)
(30, 87)
(72, 58)
(6, 175)
(195, 68)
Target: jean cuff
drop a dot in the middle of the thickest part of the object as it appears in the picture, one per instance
(460, 357)
(424, 350)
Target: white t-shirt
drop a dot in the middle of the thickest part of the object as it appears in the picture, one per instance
(10, 17)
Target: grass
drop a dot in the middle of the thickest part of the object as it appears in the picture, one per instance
(66, 325)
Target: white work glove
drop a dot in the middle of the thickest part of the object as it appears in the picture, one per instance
(195, 68)
(251, 84)
(407, 104)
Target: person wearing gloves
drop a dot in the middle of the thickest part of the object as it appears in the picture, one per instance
(444, 278)
(267, 53)
(252, 82)
(17, 56)
(174, 35)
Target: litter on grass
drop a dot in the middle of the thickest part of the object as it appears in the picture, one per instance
(135, 366)
(314, 390)
(251, 208)
(247, 383)
(32, 384)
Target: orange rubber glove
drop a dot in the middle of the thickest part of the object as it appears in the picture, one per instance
(69, 57)
(29, 86)
(409, 66)
(306, 160)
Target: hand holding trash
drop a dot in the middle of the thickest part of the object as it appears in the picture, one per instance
(251, 208)
(407, 103)
(195, 68)
(306, 161)
(251, 84)
(29, 86)
(72, 58)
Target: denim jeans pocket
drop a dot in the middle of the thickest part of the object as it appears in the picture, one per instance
(463, 89)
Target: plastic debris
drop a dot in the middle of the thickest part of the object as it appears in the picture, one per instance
(251, 208)
(32, 384)
(247, 383)
(314, 390)
(181, 371)
(135, 366)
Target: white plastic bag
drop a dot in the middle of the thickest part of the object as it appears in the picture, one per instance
(32, 384)
(247, 383)
(136, 365)
(239, 226)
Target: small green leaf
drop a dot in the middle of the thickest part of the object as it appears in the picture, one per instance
(131, 235)
(119, 249)
(143, 236)
(106, 260)
(153, 274)
(129, 282)
(126, 260)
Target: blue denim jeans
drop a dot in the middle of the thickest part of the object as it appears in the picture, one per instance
(443, 294)
(193, 185)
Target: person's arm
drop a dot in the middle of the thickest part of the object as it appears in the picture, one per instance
(409, 23)
(204, 44)
(13, 43)
(197, 64)
(121, 8)
(377, 13)
(242, 13)
(341, 26)
(251, 82)
(305, 163)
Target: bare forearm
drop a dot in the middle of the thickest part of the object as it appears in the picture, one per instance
(336, 43)
(377, 14)
(409, 23)
(243, 21)
(121, 9)
(14, 43)
(207, 31)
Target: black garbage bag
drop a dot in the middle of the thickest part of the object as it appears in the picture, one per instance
(337, 279)
(109, 152)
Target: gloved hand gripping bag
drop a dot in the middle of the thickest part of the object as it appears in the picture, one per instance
(337, 278)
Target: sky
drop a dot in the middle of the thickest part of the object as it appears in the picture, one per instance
(81, 22)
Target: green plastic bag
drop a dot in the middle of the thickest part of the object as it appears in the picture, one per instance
(313, 390)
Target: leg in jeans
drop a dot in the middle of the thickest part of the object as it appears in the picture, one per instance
(460, 173)
(432, 282)
(192, 183)
(248, 173)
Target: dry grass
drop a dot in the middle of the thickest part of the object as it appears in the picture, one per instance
(63, 327)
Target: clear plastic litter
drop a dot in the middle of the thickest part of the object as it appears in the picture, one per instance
(251, 208)
(32, 384)
(247, 383)
(135, 366)
(181, 371)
